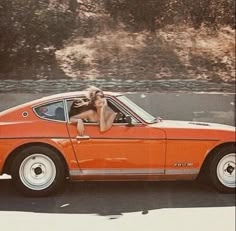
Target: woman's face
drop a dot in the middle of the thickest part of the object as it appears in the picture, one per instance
(99, 100)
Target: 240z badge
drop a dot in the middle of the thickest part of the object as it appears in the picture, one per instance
(184, 164)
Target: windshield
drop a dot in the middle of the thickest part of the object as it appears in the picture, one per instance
(137, 110)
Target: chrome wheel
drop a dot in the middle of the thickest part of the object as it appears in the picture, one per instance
(37, 171)
(226, 170)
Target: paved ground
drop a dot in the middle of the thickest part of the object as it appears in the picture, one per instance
(120, 206)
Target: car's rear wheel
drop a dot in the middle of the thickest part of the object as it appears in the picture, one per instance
(222, 170)
(38, 171)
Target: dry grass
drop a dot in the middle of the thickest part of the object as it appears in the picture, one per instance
(168, 53)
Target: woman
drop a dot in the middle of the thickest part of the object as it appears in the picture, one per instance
(98, 111)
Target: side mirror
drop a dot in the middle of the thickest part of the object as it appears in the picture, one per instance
(128, 120)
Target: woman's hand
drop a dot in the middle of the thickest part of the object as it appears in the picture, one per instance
(104, 103)
(80, 127)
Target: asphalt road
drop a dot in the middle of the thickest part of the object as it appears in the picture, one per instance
(129, 205)
(119, 206)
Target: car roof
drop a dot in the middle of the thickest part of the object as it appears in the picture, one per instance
(55, 97)
(70, 95)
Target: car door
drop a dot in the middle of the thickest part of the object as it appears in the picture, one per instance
(122, 150)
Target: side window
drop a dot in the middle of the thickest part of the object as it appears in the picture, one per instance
(52, 111)
(121, 113)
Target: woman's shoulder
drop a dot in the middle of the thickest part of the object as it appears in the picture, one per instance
(91, 111)
(86, 113)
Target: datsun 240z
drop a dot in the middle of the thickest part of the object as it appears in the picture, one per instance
(41, 149)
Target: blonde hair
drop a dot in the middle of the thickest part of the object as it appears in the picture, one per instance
(92, 91)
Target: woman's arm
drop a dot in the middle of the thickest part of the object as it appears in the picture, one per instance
(78, 119)
(81, 116)
(106, 123)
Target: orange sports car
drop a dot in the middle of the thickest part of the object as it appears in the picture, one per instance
(41, 149)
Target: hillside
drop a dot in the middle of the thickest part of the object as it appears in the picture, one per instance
(180, 53)
(124, 39)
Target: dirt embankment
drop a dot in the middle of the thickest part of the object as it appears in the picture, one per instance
(179, 53)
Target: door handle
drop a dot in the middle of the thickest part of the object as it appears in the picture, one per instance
(85, 137)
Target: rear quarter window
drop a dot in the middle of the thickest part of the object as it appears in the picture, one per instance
(52, 111)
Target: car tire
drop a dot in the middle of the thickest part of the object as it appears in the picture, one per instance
(38, 171)
(222, 170)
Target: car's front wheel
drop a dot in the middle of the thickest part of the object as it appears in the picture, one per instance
(222, 170)
(38, 171)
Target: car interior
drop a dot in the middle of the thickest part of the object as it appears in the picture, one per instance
(55, 111)
(120, 118)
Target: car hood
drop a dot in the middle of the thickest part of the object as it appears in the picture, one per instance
(192, 125)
